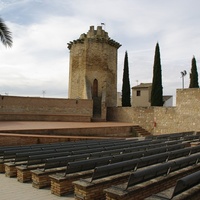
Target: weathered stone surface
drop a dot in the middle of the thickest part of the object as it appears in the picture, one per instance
(159, 120)
(93, 57)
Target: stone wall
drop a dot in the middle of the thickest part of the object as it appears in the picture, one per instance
(45, 106)
(137, 115)
(93, 57)
(9, 139)
(158, 120)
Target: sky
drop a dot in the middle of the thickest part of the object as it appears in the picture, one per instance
(38, 62)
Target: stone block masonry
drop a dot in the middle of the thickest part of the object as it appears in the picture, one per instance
(84, 189)
(93, 66)
(41, 109)
(62, 185)
(159, 120)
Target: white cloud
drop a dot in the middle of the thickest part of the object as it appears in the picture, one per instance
(39, 58)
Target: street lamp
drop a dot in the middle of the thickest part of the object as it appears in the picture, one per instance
(43, 93)
(183, 73)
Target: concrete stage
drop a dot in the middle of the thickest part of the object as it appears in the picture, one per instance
(34, 125)
(97, 129)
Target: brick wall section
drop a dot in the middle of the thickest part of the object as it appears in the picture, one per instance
(83, 189)
(2, 168)
(10, 170)
(45, 106)
(23, 139)
(43, 117)
(146, 189)
(184, 117)
(62, 185)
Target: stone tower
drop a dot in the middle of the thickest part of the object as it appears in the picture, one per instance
(93, 68)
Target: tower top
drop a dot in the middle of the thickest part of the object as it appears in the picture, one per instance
(99, 35)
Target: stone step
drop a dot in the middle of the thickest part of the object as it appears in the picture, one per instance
(141, 131)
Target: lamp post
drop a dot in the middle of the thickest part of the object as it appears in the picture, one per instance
(183, 74)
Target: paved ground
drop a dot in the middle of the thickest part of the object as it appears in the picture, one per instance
(11, 189)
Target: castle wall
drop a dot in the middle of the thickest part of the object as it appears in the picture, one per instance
(158, 120)
(45, 106)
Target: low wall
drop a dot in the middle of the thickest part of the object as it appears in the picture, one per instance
(157, 120)
(7, 139)
(45, 109)
(43, 117)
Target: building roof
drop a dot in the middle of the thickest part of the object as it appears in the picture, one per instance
(142, 85)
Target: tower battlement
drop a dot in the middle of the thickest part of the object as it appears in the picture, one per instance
(98, 35)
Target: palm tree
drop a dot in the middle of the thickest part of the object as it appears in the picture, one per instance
(5, 34)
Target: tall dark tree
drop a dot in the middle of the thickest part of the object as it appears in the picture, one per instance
(194, 75)
(5, 34)
(157, 89)
(126, 93)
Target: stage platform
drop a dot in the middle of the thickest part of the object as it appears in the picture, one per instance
(99, 129)
(31, 132)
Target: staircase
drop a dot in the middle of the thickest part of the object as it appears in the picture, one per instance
(141, 131)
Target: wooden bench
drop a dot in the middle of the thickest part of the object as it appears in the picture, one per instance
(40, 177)
(104, 178)
(61, 183)
(24, 173)
(182, 185)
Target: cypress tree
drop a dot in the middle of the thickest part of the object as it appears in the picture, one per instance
(194, 75)
(126, 98)
(157, 89)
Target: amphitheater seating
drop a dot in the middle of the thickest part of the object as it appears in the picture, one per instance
(84, 165)
(82, 187)
(54, 160)
(148, 173)
(116, 168)
(58, 162)
(171, 136)
(101, 159)
(16, 153)
(130, 165)
(118, 155)
(186, 183)
(152, 172)
(182, 185)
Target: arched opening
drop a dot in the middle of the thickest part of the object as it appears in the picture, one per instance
(95, 88)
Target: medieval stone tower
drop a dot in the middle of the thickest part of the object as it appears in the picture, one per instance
(93, 68)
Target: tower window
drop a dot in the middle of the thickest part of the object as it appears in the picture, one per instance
(95, 88)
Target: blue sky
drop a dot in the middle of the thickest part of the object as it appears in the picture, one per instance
(41, 29)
